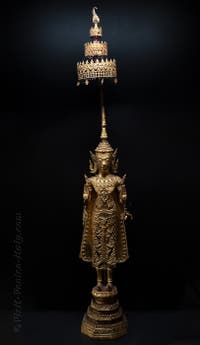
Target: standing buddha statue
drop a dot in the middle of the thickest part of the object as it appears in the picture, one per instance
(104, 242)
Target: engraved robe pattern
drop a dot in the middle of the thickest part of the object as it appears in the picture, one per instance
(104, 240)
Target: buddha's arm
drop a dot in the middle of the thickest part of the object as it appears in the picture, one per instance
(122, 192)
(87, 191)
(86, 198)
(122, 198)
(123, 195)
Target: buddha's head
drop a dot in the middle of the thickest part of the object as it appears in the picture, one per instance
(104, 160)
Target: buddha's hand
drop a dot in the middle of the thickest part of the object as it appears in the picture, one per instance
(85, 196)
(86, 193)
(122, 194)
(127, 214)
(87, 189)
(123, 198)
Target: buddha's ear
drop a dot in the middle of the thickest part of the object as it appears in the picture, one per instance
(93, 163)
(93, 156)
(115, 161)
(123, 179)
(115, 153)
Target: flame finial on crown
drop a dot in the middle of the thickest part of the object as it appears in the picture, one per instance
(96, 30)
(95, 17)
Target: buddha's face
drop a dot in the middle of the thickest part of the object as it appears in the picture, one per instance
(103, 162)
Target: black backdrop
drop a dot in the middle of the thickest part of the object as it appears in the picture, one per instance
(153, 119)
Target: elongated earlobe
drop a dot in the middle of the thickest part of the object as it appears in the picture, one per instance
(93, 163)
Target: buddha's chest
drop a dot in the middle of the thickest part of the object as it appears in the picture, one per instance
(104, 186)
(105, 194)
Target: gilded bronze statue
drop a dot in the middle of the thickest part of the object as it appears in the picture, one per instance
(104, 241)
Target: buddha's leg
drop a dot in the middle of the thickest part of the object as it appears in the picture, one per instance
(99, 278)
(109, 277)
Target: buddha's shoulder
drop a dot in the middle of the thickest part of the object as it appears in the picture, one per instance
(115, 179)
(118, 179)
(91, 180)
(88, 180)
(111, 177)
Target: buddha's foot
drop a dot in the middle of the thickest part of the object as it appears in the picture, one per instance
(100, 286)
(109, 287)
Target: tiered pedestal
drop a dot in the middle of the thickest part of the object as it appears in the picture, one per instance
(104, 318)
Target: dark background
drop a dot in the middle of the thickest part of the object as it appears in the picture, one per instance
(153, 118)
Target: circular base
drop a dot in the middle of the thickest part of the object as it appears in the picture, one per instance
(104, 318)
(103, 331)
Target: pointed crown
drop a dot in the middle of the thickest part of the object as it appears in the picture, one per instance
(104, 147)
